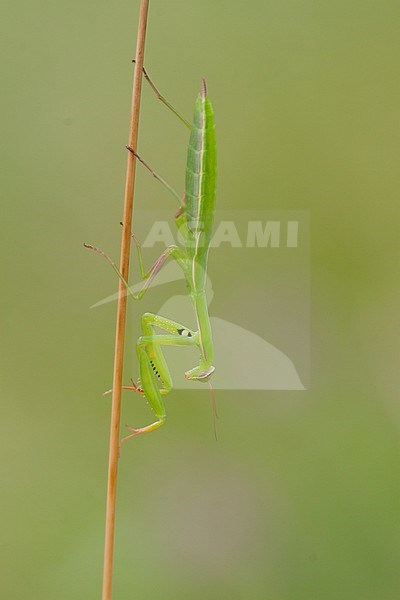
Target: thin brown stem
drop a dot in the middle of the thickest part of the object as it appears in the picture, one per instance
(121, 309)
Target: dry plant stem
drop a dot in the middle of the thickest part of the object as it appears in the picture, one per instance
(121, 310)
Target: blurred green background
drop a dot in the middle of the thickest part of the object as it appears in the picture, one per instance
(299, 498)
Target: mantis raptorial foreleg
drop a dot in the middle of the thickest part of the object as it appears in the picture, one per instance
(179, 335)
(152, 366)
(152, 394)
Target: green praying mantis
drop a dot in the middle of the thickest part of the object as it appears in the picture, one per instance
(194, 220)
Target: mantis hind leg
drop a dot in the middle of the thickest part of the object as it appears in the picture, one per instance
(163, 99)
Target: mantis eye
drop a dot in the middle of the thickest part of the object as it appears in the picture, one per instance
(184, 332)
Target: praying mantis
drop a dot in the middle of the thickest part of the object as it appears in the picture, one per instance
(194, 219)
